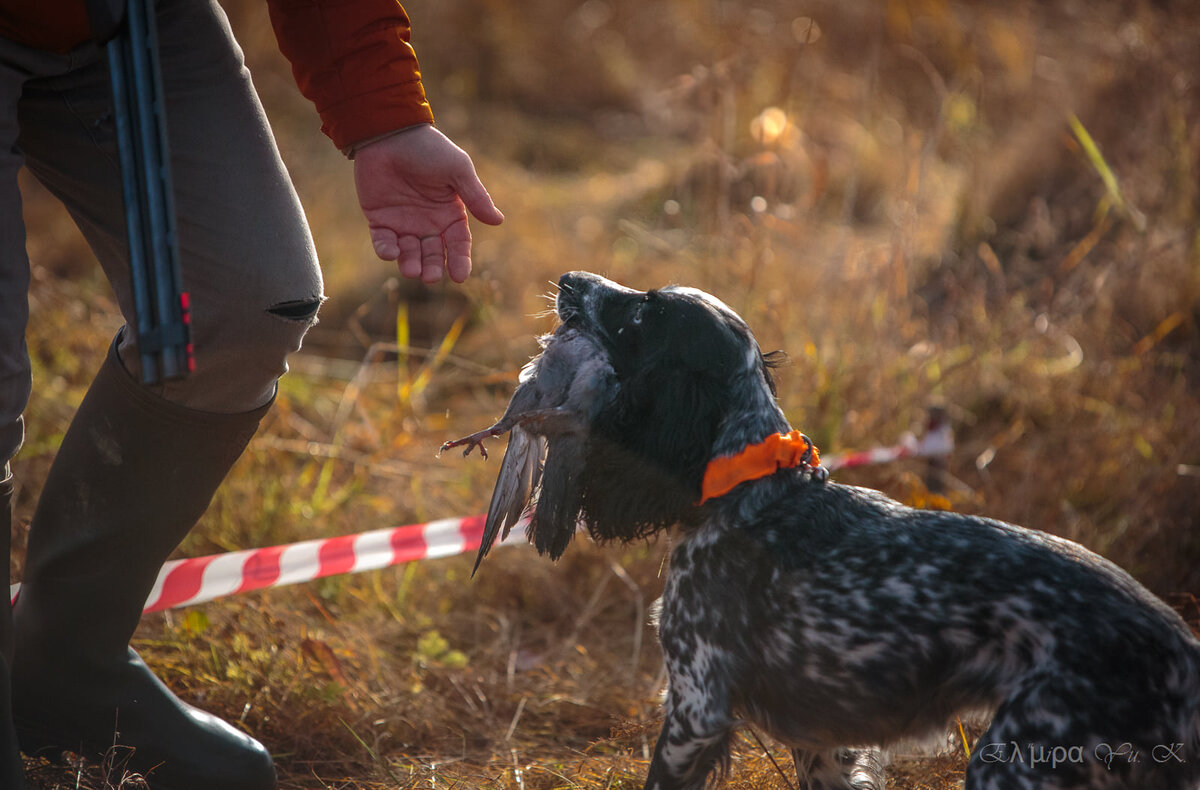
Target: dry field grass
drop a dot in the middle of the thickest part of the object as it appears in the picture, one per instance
(895, 194)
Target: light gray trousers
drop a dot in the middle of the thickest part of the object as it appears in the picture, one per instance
(247, 256)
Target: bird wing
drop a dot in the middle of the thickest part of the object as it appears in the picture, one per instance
(560, 498)
(520, 473)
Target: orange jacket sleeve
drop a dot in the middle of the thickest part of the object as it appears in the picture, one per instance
(353, 60)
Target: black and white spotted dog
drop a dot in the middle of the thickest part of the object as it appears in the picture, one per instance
(832, 617)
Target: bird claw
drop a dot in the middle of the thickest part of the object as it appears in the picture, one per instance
(472, 441)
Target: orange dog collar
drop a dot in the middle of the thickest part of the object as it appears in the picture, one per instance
(777, 451)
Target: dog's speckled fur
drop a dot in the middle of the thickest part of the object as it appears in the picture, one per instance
(840, 621)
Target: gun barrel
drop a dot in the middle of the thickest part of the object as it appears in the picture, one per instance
(162, 308)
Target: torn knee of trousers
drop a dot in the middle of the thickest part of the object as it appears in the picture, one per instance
(301, 310)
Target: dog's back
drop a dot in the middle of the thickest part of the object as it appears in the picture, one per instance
(843, 618)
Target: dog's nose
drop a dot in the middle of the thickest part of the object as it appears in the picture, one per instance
(574, 290)
(582, 283)
(583, 292)
(577, 283)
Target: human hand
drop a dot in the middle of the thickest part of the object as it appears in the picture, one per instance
(415, 188)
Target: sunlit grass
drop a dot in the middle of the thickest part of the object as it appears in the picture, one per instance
(915, 225)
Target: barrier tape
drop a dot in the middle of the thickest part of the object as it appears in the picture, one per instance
(939, 441)
(199, 579)
(192, 581)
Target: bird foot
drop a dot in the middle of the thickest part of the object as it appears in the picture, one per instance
(472, 441)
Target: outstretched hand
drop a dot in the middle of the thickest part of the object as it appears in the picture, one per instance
(415, 188)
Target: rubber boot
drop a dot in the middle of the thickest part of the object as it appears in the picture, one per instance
(133, 475)
(12, 771)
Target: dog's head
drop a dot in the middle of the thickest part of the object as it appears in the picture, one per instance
(691, 385)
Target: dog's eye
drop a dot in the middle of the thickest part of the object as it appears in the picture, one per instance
(637, 314)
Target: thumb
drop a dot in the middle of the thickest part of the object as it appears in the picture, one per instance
(477, 200)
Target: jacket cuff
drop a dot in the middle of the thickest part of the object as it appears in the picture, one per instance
(354, 148)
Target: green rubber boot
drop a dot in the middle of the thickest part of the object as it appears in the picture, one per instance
(133, 475)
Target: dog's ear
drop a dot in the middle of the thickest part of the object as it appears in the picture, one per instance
(681, 414)
(647, 454)
(772, 360)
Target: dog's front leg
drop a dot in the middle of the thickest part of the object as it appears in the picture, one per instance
(694, 740)
(842, 769)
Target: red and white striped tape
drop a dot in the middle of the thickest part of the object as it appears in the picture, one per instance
(938, 441)
(192, 581)
(199, 579)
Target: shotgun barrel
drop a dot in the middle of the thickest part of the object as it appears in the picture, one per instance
(162, 307)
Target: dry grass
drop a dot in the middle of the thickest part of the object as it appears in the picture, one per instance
(924, 227)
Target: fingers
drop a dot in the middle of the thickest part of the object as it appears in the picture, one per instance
(409, 258)
(406, 251)
(433, 259)
(425, 258)
(386, 243)
(409, 252)
(458, 251)
(421, 258)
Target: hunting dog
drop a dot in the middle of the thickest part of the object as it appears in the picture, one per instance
(832, 617)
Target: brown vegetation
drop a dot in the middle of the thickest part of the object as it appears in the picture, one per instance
(893, 193)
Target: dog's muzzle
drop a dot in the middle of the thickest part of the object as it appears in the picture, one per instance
(580, 293)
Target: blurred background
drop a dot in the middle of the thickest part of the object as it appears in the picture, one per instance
(989, 207)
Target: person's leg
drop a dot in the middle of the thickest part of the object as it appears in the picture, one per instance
(139, 465)
(15, 379)
(14, 371)
(248, 260)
